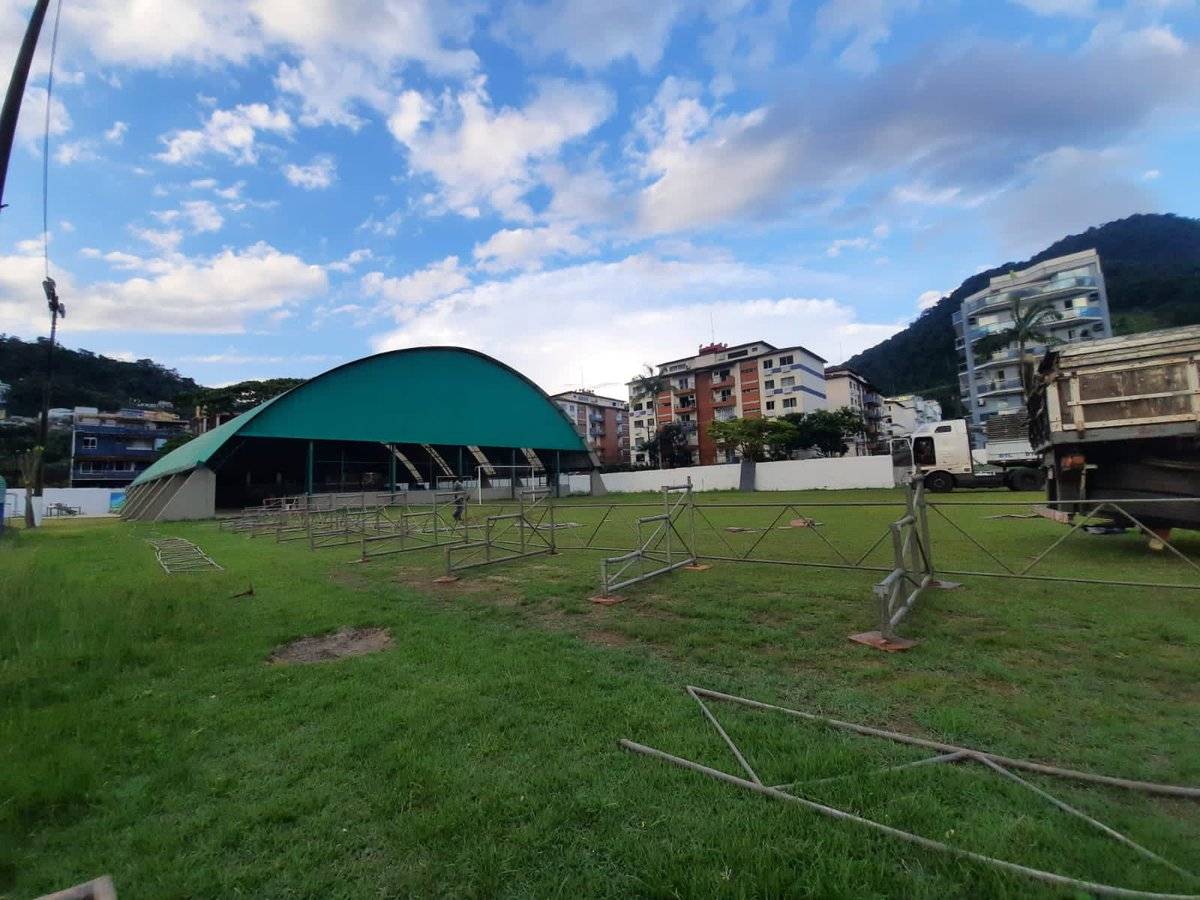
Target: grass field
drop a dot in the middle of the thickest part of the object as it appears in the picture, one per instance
(144, 735)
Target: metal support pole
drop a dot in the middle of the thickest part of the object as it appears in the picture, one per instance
(16, 88)
(392, 467)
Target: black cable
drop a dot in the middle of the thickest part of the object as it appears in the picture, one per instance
(46, 144)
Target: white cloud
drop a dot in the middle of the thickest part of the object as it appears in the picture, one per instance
(388, 226)
(526, 248)
(593, 35)
(929, 299)
(31, 125)
(229, 132)
(66, 226)
(69, 152)
(318, 174)
(627, 312)
(436, 280)
(163, 241)
(858, 243)
(329, 92)
(1151, 175)
(234, 358)
(116, 134)
(351, 260)
(1065, 192)
(217, 294)
(203, 216)
(483, 156)
(865, 23)
(1073, 8)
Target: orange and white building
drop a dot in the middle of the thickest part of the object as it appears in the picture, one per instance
(602, 422)
(721, 382)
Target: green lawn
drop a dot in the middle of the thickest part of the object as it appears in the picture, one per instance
(142, 733)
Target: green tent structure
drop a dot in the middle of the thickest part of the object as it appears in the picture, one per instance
(402, 420)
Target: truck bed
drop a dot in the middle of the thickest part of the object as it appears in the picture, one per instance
(1124, 388)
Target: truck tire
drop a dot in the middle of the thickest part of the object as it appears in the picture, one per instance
(1024, 480)
(939, 482)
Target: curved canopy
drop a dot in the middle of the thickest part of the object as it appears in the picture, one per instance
(423, 395)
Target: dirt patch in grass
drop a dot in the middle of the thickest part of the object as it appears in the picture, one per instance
(340, 644)
(607, 638)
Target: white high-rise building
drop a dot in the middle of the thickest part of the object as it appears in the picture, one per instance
(1073, 284)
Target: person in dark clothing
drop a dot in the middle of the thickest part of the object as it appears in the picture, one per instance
(460, 501)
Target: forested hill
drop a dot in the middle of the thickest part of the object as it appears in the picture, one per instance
(82, 378)
(1151, 266)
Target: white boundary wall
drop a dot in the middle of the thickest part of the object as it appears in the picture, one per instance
(90, 501)
(836, 473)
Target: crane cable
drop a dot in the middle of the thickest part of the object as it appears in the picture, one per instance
(46, 144)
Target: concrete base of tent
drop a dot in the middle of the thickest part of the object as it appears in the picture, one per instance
(173, 498)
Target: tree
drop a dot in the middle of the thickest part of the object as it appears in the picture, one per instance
(752, 438)
(29, 462)
(650, 384)
(235, 398)
(827, 431)
(669, 447)
(1031, 317)
(175, 441)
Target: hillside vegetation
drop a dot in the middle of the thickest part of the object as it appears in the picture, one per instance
(1151, 266)
(83, 378)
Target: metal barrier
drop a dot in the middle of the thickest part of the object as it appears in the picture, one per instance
(530, 531)
(655, 549)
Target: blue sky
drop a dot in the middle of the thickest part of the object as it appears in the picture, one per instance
(262, 188)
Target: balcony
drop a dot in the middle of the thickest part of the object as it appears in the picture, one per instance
(1007, 386)
(110, 452)
(722, 403)
(723, 383)
(680, 391)
(1080, 312)
(1046, 289)
(162, 429)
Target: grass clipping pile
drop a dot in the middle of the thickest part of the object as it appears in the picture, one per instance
(340, 644)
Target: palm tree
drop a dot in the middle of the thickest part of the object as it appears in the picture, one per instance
(651, 383)
(1031, 318)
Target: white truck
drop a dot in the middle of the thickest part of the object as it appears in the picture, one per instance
(941, 451)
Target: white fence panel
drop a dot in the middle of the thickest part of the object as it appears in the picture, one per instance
(81, 501)
(825, 474)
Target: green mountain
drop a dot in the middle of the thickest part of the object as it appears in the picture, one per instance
(83, 378)
(1151, 266)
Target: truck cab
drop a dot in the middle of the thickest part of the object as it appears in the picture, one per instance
(941, 451)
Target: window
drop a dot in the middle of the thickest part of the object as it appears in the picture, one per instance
(770, 404)
(736, 353)
(88, 443)
(789, 403)
(769, 383)
(942, 429)
(788, 382)
(785, 360)
(767, 363)
(85, 467)
(723, 375)
(685, 417)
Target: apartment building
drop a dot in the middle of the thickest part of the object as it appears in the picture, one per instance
(1073, 284)
(845, 387)
(906, 413)
(602, 422)
(722, 382)
(110, 449)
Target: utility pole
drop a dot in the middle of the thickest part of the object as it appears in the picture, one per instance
(56, 310)
(16, 89)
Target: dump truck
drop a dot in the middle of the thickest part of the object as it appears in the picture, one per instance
(941, 451)
(1119, 418)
